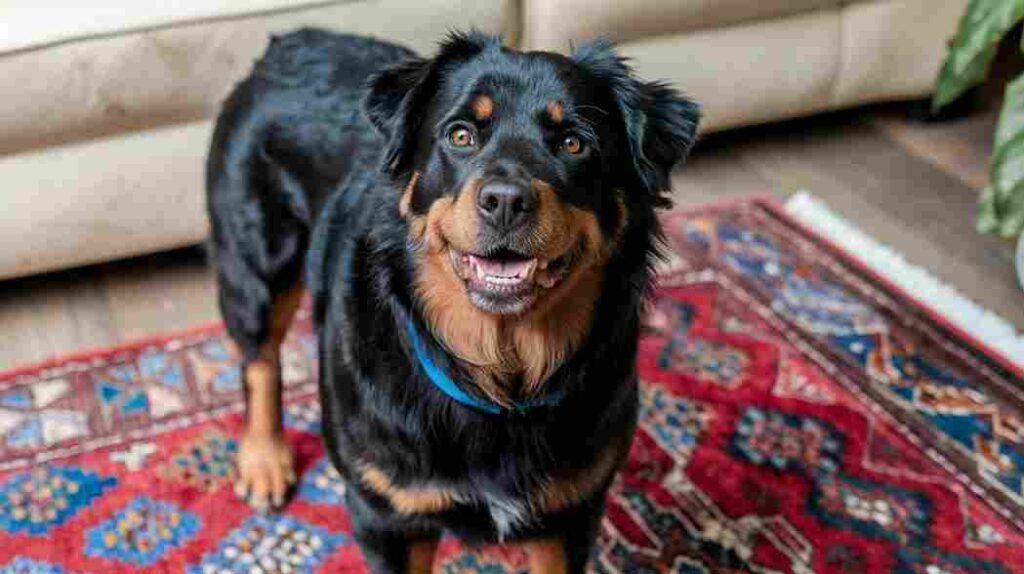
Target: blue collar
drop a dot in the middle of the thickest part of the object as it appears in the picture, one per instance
(446, 385)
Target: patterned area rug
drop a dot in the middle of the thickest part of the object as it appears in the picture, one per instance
(798, 416)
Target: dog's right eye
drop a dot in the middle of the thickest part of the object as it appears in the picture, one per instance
(461, 137)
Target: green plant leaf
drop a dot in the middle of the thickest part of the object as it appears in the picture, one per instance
(1001, 207)
(1007, 171)
(987, 221)
(1011, 224)
(981, 28)
(1011, 116)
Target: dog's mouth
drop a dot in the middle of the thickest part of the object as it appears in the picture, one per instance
(504, 281)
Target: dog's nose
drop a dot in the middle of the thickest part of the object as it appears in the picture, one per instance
(505, 205)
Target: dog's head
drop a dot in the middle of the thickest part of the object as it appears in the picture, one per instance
(521, 171)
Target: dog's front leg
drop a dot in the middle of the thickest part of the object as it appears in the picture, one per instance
(265, 465)
(566, 547)
(391, 543)
(392, 552)
(547, 556)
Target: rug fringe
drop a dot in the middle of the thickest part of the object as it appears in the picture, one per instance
(987, 327)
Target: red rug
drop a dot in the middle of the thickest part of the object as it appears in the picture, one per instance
(798, 416)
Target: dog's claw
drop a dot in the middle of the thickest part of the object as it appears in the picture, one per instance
(265, 472)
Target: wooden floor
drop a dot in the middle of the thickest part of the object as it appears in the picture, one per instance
(910, 185)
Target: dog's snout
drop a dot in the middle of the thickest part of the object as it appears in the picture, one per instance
(506, 205)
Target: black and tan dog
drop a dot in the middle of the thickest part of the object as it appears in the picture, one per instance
(477, 232)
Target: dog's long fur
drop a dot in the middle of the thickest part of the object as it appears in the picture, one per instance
(326, 170)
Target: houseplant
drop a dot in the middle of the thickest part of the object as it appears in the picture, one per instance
(982, 27)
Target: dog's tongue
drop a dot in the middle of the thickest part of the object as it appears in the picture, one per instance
(506, 268)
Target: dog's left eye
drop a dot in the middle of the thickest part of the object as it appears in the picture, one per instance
(461, 136)
(572, 145)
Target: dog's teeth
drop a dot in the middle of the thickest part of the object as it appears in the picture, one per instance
(527, 273)
(544, 264)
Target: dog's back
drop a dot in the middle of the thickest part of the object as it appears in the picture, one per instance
(299, 113)
(288, 135)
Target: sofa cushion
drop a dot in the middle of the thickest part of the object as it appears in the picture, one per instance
(102, 85)
(749, 72)
(893, 50)
(796, 65)
(25, 25)
(103, 199)
(553, 24)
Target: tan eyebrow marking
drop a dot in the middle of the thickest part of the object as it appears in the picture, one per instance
(483, 107)
(556, 111)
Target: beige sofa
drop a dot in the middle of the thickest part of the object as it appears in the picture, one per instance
(105, 108)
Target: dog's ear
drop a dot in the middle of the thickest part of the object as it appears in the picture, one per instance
(660, 123)
(397, 98)
(388, 89)
(390, 101)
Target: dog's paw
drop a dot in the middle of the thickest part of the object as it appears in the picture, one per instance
(265, 472)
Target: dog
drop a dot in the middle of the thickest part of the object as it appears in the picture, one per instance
(477, 232)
